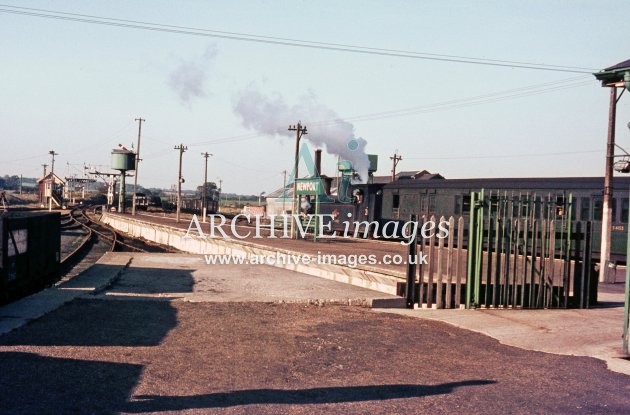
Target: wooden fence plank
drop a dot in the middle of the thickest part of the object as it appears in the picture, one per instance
(449, 263)
(431, 259)
(460, 263)
(440, 277)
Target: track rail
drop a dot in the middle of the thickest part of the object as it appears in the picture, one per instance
(94, 231)
(102, 238)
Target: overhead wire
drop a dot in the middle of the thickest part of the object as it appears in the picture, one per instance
(497, 156)
(440, 106)
(465, 102)
(446, 105)
(135, 24)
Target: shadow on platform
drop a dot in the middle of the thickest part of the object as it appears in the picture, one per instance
(325, 395)
(33, 384)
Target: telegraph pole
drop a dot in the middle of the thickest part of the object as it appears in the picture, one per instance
(135, 176)
(299, 132)
(52, 178)
(181, 149)
(395, 159)
(204, 204)
(52, 165)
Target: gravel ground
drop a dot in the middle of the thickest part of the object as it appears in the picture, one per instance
(158, 356)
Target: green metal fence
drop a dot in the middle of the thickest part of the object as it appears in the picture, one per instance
(525, 251)
(626, 313)
(509, 250)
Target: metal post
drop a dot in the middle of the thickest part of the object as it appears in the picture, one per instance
(608, 187)
(626, 311)
(135, 178)
(121, 192)
(479, 249)
(472, 241)
(567, 260)
(316, 218)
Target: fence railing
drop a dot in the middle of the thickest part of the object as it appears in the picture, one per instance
(500, 258)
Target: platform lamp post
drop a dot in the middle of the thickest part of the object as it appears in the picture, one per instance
(614, 77)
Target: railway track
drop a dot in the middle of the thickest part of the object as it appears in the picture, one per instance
(84, 241)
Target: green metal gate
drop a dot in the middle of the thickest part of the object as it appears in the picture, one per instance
(525, 251)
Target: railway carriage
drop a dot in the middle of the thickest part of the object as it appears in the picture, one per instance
(540, 198)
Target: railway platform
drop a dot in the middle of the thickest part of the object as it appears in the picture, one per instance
(381, 275)
(169, 332)
(593, 333)
(149, 333)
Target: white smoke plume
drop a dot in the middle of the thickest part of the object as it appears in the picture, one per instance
(189, 77)
(272, 116)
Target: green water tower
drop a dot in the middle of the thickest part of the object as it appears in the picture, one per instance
(123, 160)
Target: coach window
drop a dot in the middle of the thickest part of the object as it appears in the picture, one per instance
(597, 208)
(624, 211)
(396, 201)
(457, 209)
(585, 208)
(466, 205)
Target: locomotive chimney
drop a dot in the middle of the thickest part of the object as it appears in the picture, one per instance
(318, 161)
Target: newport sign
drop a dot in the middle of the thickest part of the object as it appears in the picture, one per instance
(309, 187)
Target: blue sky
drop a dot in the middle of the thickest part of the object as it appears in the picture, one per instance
(77, 87)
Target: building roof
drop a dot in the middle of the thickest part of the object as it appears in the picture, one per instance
(48, 176)
(418, 175)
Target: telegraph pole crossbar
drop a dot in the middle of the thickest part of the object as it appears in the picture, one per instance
(395, 159)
